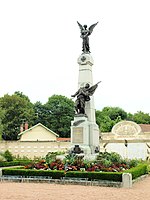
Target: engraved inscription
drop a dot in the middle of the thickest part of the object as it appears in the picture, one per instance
(126, 128)
(77, 135)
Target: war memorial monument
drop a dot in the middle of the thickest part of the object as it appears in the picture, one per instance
(84, 130)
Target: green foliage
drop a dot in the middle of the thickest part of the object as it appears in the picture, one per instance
(70, 159)
(111, 176)
(138, 171)
(141, 118)
(41, 113)
(108, 117)
(111, 157)
(7, 159)
(2, 114)
(55, 174)
(20, 94)
(106, 162)
(56, 114)
(8, 156)
(115, 112)
(51, 156)
(60, 111)
(133, 163)
(2, 159)
(16, 110)
(129, 116)
(14, 163)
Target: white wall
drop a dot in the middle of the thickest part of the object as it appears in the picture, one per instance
(133, 150)
(33, 149)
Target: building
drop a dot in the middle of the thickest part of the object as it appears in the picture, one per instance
(39, 132)
(129, 139)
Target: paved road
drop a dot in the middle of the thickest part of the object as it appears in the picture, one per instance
(44, 191)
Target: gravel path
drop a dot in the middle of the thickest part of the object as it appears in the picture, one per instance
(45, 191)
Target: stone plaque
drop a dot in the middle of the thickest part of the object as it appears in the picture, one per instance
(126, 128)
(77, 136)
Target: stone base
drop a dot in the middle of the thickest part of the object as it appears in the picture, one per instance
(85, 134)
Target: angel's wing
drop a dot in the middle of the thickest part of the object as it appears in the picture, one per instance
(80, 26)
(92, 27)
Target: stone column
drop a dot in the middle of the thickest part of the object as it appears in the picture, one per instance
(86, 62)
(84, 130)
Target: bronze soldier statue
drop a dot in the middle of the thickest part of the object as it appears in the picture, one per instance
(83, 95)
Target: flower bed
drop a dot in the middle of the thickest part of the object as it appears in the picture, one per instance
(105, 162)
(136, 172)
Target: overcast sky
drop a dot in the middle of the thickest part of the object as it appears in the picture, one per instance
(40, 44)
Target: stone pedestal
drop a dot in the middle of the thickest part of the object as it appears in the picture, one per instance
(85, 134)
(84, 130)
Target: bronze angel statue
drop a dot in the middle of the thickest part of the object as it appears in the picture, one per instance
(83, 94)
(85, 36)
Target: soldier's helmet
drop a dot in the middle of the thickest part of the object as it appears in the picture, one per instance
(87, 85)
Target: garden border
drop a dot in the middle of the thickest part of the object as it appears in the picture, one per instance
(127, 178)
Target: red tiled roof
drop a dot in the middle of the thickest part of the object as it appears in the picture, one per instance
(64, 139)
(145, 127)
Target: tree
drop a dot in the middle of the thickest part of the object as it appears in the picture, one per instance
(60, 112)
(114, 112)
(141, 118)
(1, 118)
(104, 122)
(41, 113)
(108, 117)
(20, 94)
(130, 116)
(17, 109)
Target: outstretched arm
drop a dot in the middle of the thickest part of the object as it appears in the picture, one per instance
(75, 94)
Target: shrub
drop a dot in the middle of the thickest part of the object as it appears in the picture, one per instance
(111, 157)
(55, 174)
(51, 156)
(107, 163)
(138, 171)
(8, 156)
(2, 159)
(14, 163)
(111, 176)
(133, 163)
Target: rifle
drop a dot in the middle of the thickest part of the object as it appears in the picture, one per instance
(98, 82)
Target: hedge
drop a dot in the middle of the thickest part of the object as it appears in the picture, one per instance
(111, 176)
(14, 163)
(57, 174)
(138, 171)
